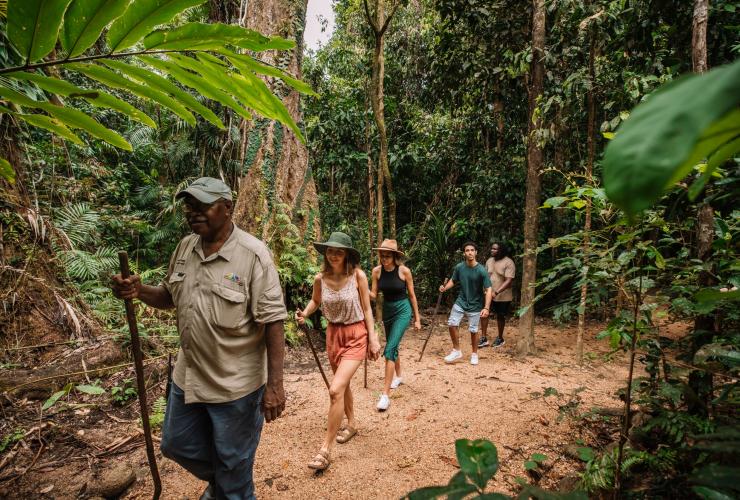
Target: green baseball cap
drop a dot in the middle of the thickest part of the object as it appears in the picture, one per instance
(207, 190)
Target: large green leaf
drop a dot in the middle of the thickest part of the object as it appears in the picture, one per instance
(69, 117)
(33, 26)
(218, 75)
(193, 81)
(117, 81)
(95, 97)
(51, 124)
(202, 36)
(677, 126)
(141, 17)
(6, 171)
(85, 20)
(478, 460)
(249, 89)
(246, 64)
(144, 76)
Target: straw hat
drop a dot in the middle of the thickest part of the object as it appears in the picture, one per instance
(338, 239)
(390, 246)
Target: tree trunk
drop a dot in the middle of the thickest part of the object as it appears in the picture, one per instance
(699, 36)
(498, 111)
(701, 381)
(370, 183)
(379, 24)
(276, 177)
(525, 344)
(586, 247)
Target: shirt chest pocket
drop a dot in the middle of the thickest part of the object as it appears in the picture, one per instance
(228, 307)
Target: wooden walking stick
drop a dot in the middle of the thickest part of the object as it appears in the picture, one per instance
(307, 332)
(366, 367)
(434, 318)
(140, 383)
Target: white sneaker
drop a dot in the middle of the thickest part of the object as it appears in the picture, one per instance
(384, 402)
(474, 359)
(453, 356)
(396, 382)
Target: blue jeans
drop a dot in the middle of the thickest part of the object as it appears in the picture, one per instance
(216, 442)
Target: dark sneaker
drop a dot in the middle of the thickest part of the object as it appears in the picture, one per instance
(498, 342)
(483, 342)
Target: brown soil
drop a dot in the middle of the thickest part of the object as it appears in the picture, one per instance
(409, 446)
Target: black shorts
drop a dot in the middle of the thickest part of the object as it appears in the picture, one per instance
(501, 308)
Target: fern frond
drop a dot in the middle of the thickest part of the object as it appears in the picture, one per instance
(79, 222)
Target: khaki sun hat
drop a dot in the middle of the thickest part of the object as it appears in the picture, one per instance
(207, 190)
(338, 239)
(390, 246)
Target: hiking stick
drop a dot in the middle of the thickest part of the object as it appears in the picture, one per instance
(306, 331)
(140, 382)
(434, 316)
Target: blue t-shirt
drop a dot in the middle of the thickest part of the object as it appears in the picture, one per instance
(473, 281)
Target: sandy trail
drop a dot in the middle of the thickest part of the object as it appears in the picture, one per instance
(412, 444)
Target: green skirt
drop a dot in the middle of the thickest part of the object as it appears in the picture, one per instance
(396, 319)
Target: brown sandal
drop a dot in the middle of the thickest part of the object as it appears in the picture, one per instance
(346, 434)
(320, 461)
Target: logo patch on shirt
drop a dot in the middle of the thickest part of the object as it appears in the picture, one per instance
(234, 278)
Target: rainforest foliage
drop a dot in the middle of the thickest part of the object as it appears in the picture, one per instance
(104, 121)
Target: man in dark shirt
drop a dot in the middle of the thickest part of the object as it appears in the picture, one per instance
(475, 288)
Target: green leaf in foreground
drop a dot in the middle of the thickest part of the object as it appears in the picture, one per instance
(70, 117)
(141, 18)
(93, 96)
(6, 171)
(117, 81)
(197, 83)
(52, 125)
(33, 26)
(245, 63)
(676, 127)
(213, 36)
(478, 460)
(85, 20)
(146, 77)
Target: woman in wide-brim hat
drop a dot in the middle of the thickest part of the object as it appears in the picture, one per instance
(341, 290)
(396, 283)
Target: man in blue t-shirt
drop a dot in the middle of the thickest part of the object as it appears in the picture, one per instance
(475, 288)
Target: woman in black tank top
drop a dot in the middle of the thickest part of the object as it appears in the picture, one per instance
(394, 280)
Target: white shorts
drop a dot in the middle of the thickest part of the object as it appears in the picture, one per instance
(456, 316)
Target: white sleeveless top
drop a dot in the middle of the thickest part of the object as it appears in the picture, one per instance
(343, 305)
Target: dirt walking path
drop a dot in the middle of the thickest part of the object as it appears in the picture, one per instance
(412, 444)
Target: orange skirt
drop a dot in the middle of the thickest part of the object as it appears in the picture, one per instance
(345, 342)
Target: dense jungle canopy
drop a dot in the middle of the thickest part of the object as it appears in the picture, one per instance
(598, 139)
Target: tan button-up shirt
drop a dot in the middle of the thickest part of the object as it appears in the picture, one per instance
(223, 302)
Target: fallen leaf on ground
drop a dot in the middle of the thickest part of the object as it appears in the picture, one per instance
(407, 461)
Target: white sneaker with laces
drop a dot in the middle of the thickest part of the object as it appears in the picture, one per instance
(384, 402)
(453, 356)
(474, 359)
(396, 382)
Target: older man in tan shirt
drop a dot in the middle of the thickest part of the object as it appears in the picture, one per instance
(229, 372)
